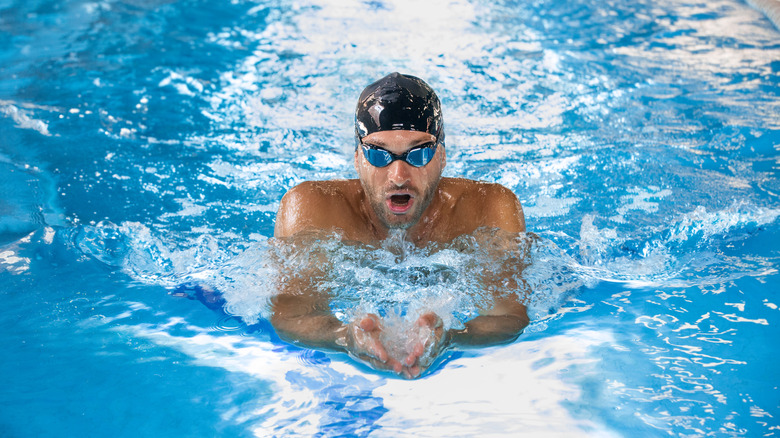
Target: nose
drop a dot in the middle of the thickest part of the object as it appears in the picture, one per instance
(399, 173)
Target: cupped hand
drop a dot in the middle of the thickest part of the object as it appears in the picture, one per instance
(428, 340)
(363, 342)
(425, 340)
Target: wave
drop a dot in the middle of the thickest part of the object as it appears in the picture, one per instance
(690, 250)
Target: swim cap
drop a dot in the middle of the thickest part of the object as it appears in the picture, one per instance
(398, 102)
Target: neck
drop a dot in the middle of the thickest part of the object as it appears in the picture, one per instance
(420, 233)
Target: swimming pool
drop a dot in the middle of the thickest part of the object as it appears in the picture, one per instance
(145, 145)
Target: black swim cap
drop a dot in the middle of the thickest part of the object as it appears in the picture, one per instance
(398, 102)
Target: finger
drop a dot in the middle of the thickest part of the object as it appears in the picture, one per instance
(379, 350)
(429, 319)
(426, 320)
(397, 366)
(419, 349)
(390, 365)
(369, 324)
(412, 358)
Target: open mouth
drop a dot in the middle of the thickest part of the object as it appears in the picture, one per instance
(399, 203)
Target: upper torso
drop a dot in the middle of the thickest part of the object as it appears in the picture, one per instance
(459, 207)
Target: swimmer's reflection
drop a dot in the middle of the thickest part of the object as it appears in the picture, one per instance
(399, 158)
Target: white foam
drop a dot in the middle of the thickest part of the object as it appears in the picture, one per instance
(643, 199)
(23, 119)
(721, 221)
(11, 262)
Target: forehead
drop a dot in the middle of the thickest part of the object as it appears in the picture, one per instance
(398, 138)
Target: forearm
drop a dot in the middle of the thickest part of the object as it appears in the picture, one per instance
(316, 331)
(489, 330)
(297, 321)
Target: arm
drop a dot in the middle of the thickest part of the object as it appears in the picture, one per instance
(506, 317)
(501, 324)
(306, 320)
(300, 312)
(301, 315)
(303, 318)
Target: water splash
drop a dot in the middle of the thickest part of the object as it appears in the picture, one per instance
(667, 254)
(401, 282)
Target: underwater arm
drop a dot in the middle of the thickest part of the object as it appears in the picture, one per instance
(307, 321)
(301, 315)
(502, 324)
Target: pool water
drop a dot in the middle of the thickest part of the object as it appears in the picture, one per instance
(144, 148)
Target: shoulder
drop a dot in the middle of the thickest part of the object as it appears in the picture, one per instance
(313, 205)
(317, 190)
(486, 192)
(496, 205)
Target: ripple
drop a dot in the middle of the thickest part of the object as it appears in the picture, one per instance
(229, 324)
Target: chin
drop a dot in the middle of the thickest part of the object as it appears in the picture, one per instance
(396, 225)
(399, 222)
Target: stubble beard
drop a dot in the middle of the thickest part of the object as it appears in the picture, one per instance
(378, 203)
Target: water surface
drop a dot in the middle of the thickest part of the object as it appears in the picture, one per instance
(145, 145)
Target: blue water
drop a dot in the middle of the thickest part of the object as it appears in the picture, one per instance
(145, 145)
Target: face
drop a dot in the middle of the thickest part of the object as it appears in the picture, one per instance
(399, 193)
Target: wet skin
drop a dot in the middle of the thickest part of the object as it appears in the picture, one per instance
(426, 208)
(399, 194)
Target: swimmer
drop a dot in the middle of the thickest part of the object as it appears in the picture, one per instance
(399, 158)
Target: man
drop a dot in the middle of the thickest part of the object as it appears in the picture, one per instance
(399, 159)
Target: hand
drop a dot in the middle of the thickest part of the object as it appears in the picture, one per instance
(363, 342)
(427, 341)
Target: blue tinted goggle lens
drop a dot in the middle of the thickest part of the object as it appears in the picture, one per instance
(417, 157)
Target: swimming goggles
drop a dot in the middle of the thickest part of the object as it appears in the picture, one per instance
(418, 156)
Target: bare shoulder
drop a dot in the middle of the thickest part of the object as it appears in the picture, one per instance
(316, 205)
(317, 190)
(497, 206)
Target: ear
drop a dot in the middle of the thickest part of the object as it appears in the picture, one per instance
(443, 156)
(355, 160)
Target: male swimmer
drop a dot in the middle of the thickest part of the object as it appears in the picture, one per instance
(399, 159)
